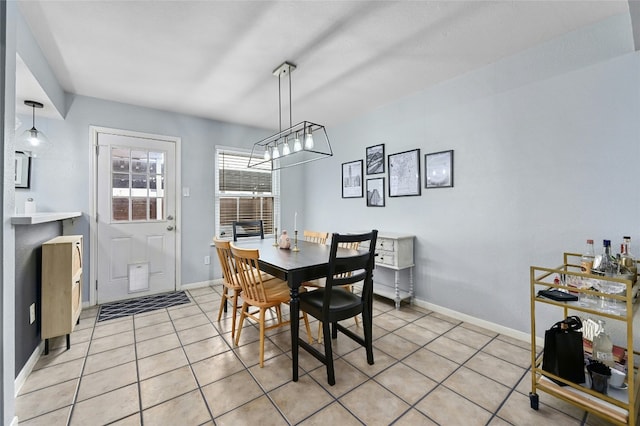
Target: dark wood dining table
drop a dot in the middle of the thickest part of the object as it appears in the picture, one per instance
(294, 267)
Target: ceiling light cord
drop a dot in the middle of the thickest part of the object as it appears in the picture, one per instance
(290, 104)
(279, 104)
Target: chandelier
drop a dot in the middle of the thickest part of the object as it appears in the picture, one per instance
(298, 144)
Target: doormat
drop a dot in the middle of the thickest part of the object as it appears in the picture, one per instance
(140, 305)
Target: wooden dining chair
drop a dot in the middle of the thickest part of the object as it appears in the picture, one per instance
(231, 283)
(260, 293)
(319, 283)
(247, 228)
(334, 303)
(315, 236)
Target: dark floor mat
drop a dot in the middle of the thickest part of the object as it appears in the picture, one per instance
(143, 304)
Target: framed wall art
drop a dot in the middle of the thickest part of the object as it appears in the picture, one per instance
(23, 170)
(404, 173)
(352, 179)
(438, 169)
(375, 192)
(375, 159)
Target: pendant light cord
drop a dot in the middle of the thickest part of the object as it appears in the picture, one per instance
(290, 104)
(279, 103)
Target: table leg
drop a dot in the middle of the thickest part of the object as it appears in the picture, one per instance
(294, 315)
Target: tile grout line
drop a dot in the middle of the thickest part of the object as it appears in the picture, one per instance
(138, 381)
(84, 364)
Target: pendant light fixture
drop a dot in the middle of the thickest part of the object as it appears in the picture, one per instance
(32, 141)
(267, 153)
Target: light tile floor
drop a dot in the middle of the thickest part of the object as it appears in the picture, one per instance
(178, 366)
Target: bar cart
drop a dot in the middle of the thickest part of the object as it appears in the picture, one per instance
(618, 406)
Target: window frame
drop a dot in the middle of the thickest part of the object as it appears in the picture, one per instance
(218, 194)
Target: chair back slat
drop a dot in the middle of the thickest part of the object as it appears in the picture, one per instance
(316, 237)
(223, 248)
(247, 228)
(250, 278)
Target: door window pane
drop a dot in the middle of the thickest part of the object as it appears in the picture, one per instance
(139, 161)
(137, 180)
(139, 208)
(120, 160)
(120, 207)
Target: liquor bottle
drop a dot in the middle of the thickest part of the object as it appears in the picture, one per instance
(602, 346)
(586, 262)
(606, 265)
(628, 260)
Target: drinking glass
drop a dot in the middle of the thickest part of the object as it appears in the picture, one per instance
(610, 287)
(582, 284)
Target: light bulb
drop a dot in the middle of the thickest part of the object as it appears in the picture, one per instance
(308, 140)
(32, 137)
(34, 142)
(267, 156)
(297, 146)
(285, 148)
(276, 152)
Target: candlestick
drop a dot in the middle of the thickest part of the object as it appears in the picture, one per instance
(275, 232)
(295, 241)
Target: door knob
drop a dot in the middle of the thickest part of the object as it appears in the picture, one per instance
(170, 228)
(170, 217)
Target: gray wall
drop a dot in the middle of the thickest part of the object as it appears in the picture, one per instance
(29, 240)
(546, 149)
(8, 13)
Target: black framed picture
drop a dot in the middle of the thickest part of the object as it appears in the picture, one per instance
(352, 179)
(438, 169)
(404, 173)
(22, 170)
(375, 192)
(375, 159)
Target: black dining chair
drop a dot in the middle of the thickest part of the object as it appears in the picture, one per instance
(334, 302)
(248, 228)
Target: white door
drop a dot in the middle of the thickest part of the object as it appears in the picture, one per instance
(136, 207)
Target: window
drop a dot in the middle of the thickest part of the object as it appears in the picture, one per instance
(137, 185)
(243, 193)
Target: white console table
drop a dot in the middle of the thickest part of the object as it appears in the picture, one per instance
(395, 252)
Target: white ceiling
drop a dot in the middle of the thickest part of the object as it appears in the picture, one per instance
(214, 59)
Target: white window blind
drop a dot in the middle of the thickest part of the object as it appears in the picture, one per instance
(243, 193)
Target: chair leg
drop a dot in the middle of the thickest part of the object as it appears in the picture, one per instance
(223, 302)
(279, 314)
(328, 354)
(367, 324)
(262, 315)
(306, 324)
(320, 336)
(356, 317)
(334, 330)
(236, 294)
(243, 311)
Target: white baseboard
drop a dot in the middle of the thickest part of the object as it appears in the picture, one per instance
(510, 332)
(198, 284)
(28, 368)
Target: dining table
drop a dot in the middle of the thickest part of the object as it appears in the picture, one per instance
(309, 262)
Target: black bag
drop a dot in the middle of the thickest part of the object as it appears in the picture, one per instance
(563, 351)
